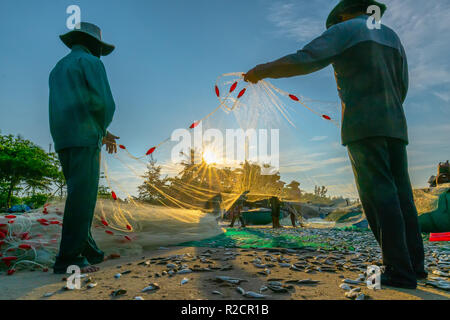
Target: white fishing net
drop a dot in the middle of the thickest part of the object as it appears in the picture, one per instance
(155, 200)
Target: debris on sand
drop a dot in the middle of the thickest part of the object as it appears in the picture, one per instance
(240, 290)
(354, 282)
(303, 282)
(48, 294)
(119, 292)
(440, 284)
(151, 287)
(345, 287)
(254, 295)
(229, 279)
(352, 294)
(184, 271)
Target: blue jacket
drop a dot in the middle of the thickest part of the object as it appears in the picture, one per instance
(81, 105)
(371, 72)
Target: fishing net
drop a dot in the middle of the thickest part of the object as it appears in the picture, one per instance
(176, 190)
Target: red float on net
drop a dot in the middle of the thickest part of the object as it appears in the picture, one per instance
(25, 236)
(217, 91)
(128, 227)
(233, 87)
(109, 232)
(10, 216)
(105, 223)
(45, 210)
(128, 238)
(7, 260)
(150, 151)
(241, 93)
(113, 194)
(121, 146)
(11, 221)
(295, 98)
(25, 246)
(326, 117)
(10, 258)
(194, 125)
(2, 235)
(11, 272)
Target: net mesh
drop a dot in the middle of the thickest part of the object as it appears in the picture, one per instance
(166, 194)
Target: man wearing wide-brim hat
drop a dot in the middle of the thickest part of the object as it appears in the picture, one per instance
(81, 107)
(372, 76)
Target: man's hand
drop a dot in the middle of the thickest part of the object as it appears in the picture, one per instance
(110, 141)
(250, 76)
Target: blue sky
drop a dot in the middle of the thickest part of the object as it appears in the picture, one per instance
(169, 54)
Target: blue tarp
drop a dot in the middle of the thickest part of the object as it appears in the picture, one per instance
(19, 208)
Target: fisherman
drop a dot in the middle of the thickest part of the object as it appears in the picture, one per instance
(236, 210)
(235, 213)
(294, 214)
(275, 205)
(81, 107)
(372, 78)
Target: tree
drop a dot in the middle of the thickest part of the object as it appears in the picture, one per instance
(320, 191)
(24, 163)
(60, 183)
(149, 191)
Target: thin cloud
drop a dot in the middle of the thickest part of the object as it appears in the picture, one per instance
(319, 138)
(298, 21)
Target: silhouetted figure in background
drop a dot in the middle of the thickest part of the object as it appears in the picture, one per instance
(275, 205)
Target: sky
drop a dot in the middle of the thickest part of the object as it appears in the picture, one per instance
(169, 53)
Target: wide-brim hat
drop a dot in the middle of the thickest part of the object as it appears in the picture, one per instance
(346, 5)
(91, 30)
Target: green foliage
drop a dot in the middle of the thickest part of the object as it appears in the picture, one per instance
(320, 191)
(36, 200)
(150, 190)
(103, 192)
(24, 166)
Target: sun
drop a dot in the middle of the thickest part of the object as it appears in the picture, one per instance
(209, 157)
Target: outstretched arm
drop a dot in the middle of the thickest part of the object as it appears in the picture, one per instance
(316, 55)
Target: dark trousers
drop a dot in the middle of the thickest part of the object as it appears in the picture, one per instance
(233, 219)
(81, 168)
(380, 167)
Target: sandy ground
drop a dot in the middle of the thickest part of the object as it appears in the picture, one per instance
(35, 285)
